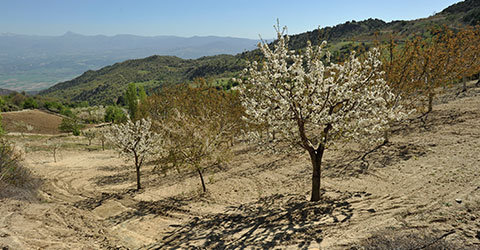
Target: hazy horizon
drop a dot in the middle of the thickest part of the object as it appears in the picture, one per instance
(238, 19)
(146, 36)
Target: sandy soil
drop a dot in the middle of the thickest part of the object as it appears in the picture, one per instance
(427, 178)
(41, 122)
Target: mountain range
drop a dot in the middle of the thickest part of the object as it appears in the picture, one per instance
(104, 86)
(37, 62)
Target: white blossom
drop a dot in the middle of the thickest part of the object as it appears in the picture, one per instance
(135, 140)
(311, 101)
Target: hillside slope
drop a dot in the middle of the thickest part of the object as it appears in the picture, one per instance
(425, 180)
(37, 62)
(105, 85)
(6, 92)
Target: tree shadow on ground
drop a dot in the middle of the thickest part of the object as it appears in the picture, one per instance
(115, 179)
(409, 239)
(162, 207)
(271, 221)
(94, 202)
(356, 162)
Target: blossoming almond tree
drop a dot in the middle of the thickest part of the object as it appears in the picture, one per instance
(312, 102)
(134, 139)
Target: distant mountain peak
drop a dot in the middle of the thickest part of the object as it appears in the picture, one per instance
(70, 33)
(8, 34)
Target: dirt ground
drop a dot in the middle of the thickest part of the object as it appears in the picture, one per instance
(426, 179)
(41, 122)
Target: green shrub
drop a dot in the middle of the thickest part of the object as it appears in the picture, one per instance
(1, 127)
(71, 125)
(53, 106)
(2, 104)
(115, 114)
(66, 112)
(30, 103)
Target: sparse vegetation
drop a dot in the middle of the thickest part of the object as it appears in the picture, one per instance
(417, 68)
(197, 123)
(11, 170)
(53, 145)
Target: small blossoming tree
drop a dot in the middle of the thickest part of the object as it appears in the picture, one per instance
(90, 135)
(312, 103)
(134, 139)
(102, 134)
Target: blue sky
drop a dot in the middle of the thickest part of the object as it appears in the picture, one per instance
(236, 18)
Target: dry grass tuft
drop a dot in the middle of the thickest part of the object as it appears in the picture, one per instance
(13, 174)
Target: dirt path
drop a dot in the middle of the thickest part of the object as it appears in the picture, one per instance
(426, 178)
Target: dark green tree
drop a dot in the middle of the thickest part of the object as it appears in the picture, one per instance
(115, 114)
(30, 103)
(72, 125)
(131, 99)
(142, 95)
(121, 101)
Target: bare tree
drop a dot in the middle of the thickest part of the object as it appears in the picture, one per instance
(90, 135)
(53, 146)
(102, 135)
(197, 122)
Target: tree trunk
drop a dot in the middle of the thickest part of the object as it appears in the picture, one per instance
(430, 102)
(201, 178)
(103, 145)
(316, 157)
(54, 155)
(386, 135)
(137, 167)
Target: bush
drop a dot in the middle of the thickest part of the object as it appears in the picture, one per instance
(30, 103)
(2, 104)
(66, 112)
(53, 106)
(1, 127)
(71, 125)
(115, 114)
(11, 171)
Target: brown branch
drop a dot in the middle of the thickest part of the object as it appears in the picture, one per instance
(434, 241)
